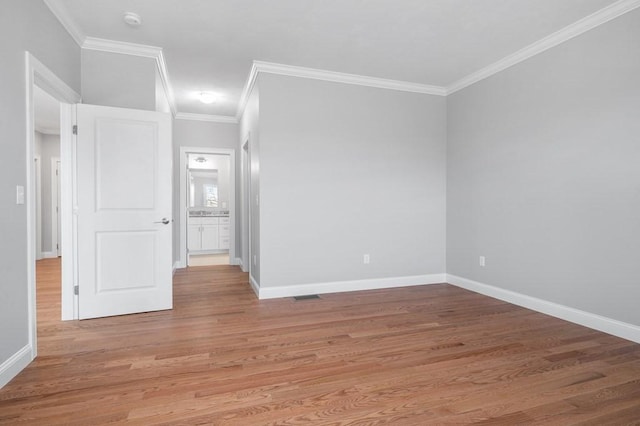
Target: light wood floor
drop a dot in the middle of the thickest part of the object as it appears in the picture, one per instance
(208, 259)
(425, 355)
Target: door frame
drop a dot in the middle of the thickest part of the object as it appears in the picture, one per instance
(37, 74)
(55, 206)
(246, 205)
(182, 201)
(37, 191)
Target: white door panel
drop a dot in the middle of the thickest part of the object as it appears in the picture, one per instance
(124, 192)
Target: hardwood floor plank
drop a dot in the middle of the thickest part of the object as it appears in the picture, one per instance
(420, 355)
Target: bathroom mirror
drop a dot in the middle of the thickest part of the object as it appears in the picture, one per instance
(203, 188)
(208, 181)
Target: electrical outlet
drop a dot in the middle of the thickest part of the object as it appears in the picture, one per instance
(482, 261)
(366, 259)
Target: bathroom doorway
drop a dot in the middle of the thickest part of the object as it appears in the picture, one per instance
(207, 207)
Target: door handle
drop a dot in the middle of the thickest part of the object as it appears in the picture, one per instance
(164, 221)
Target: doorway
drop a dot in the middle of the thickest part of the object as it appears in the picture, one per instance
(206, 226)
(44, 87)
(47, 169)
(46, 137)
(208, 177)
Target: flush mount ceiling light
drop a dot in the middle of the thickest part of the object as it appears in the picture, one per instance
(132, 19)
(208, 97)
(200, 160)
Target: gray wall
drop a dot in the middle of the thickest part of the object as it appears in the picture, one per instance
(250, 130)
(347, 170)
(113, 79)
(544, 174)
(191, 133)
(24, 25)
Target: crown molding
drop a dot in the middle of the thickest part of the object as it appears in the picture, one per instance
(579, 27)
(339, 77)
(166, 83)
(227, 119)
(142, 50)
(123, 47)
(332, 76)
(248, 87)
(60, 12)
(44, 78)
(567, 33)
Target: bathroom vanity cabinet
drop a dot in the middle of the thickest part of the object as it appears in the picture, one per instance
(208, 234)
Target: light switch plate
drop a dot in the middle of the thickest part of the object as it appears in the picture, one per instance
(19, 194)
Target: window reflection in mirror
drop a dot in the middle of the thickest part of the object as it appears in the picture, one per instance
(203, 188)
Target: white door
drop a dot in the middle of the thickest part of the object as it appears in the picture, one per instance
(124, 211)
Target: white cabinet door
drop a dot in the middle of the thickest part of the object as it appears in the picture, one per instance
(210, 236)
(193, 237)
(124, 211)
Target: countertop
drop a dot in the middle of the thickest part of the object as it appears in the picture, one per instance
(204, 213)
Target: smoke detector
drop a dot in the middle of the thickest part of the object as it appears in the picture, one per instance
(132, 19)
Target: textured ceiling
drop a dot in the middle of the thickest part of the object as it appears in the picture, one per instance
(210, 44)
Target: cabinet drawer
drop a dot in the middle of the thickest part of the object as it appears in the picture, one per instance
(224, 242)
(223, 220)
(223, 230)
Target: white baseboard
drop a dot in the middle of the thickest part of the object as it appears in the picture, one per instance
(235, 261)
(176, 265)
(254, 286)
(587, 319)
(15, 364)
(49, 255)
(343, 286)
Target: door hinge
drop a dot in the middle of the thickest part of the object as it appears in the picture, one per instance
(75, 129)
(76, 290)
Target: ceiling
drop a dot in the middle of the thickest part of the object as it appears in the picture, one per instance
(209, 45)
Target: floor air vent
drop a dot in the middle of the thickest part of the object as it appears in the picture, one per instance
(309, 296)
